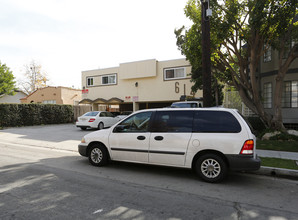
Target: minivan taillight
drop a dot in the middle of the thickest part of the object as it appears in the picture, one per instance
(248, 147)
(92, 120)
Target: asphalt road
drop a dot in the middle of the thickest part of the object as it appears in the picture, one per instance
(43, 177)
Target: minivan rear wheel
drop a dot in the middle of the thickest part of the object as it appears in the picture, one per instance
(98, 155)
(211, 168)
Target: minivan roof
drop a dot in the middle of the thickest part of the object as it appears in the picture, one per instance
(189, 109)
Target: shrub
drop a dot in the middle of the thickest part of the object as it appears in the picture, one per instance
(14, 115)
(284, 137)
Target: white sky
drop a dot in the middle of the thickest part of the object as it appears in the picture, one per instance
(70, 36)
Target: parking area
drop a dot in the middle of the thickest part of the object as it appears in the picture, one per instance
(64, 136)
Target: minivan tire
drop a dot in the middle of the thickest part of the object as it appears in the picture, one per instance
(98, 155)
(211, 168)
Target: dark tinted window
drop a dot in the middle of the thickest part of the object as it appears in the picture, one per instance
(215, 121)
(173, 121)
(109, 114)
(103, 114)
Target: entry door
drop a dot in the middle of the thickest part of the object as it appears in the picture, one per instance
(129, 141)
(171, 132)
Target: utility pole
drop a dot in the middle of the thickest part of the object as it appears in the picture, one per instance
(206, 62)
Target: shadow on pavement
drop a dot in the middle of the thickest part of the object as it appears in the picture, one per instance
(70, 188)
(52, 133)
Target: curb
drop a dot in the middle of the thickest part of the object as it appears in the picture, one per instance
(277, 172)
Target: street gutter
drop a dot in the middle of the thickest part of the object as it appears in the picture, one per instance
(277, 172)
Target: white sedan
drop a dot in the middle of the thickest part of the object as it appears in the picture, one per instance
(96, 119)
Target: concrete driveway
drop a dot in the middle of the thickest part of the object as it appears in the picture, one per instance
(64, 136)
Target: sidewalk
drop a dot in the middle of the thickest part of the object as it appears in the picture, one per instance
(278, 154)
(279, 172)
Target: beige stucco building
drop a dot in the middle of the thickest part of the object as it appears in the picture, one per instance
(54, 95)
(138, 85)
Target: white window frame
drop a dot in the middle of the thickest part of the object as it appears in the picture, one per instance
(109, 83)
(89, 83)
(268, 55)
(290, 94)
(49, 102)
(267, 95)
(175, 70)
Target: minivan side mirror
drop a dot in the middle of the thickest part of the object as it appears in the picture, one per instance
(119, 128)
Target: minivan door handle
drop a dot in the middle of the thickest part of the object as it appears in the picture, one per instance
(158, 138)
(141, 138)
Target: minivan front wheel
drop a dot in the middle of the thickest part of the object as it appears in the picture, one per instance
(98, 155)
(211, 168)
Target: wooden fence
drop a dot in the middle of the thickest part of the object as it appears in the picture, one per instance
(79, 110)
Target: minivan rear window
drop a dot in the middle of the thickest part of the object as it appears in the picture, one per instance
(215, 122)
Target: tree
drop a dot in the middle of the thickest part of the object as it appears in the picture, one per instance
(241, 32)
(7, 83)
(35, 78)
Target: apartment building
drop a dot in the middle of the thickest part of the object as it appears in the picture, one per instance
(138, 85)
(268, 71)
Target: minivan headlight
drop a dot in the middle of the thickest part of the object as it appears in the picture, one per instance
(83, 140)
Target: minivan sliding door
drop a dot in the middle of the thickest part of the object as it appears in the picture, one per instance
(170, 135)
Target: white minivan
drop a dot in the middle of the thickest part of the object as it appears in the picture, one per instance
(209, 140)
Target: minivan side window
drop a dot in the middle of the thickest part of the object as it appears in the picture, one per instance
(172, 121)
(136, 123)
(215, 122)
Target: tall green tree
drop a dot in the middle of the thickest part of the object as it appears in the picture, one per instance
(7, 83)
(241, 33)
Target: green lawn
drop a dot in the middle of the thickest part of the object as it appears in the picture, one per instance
(279, 163)
(278, 145)
(291, 146)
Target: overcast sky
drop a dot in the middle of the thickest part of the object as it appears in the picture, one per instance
(70, 36)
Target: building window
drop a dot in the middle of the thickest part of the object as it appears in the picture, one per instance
(108, 79)
(290, 94)
(267, 55)
(49, 102)
(267, 95)
(289, 45)
(90, 81)
(174, 73)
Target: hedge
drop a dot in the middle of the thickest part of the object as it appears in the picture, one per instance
(16, 115)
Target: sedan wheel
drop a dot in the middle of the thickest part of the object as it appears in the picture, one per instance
(211, 168)
(98, 155)
(100, 126)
